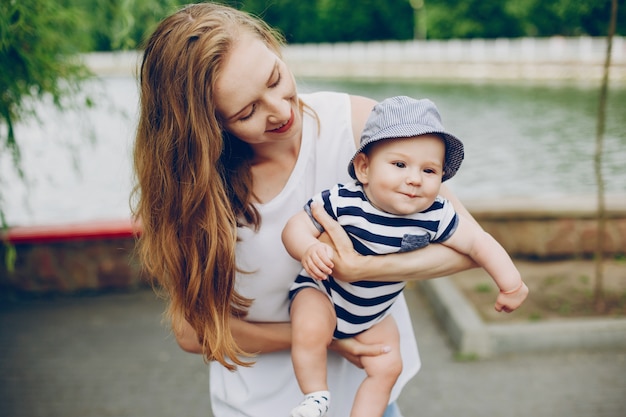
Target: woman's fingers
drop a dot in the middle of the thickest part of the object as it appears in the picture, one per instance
(353, 350)
(338, 237)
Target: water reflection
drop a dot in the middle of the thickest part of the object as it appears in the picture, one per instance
(521, 140)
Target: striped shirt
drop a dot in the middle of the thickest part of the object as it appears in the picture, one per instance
(360, 305)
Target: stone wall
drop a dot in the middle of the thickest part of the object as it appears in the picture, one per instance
(558, 228)
(100, 255)
(72, 258)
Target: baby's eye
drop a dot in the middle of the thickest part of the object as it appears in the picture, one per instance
(400, 164)
(430, 171)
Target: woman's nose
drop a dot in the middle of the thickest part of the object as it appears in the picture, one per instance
(279, 109)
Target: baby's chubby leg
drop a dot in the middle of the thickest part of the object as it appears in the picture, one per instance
(313, 322)
(382, 371)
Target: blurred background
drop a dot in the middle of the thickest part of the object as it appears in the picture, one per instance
(67, 125)
(518, 80)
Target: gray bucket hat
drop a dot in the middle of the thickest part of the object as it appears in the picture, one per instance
(404, 117)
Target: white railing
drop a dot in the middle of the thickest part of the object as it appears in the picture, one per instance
(555, 49)
(579, 58)
(555, 58)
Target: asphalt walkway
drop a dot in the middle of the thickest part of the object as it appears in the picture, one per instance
(110, 355)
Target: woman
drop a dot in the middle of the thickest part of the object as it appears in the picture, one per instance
(226, 151)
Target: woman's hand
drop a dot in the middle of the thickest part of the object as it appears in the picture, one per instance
(346, 260)
(433, 261)
(187, 338)
(353, 350)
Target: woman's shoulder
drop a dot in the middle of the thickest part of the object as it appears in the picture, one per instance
(352, 110)
(357, 103)
(325, 98)
(361, 107)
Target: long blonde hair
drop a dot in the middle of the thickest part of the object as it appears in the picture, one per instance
(194, 185)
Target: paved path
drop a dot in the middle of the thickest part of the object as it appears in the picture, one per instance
(109, 355)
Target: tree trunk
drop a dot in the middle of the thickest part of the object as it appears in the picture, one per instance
(599, 298)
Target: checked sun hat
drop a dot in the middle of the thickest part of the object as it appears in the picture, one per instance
(404, 117)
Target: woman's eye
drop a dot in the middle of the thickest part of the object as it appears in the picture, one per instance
(249, 115)
(275, 84)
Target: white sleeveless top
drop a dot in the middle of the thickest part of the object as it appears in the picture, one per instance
(269, 388)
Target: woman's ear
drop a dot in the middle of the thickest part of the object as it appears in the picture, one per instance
(361, 165)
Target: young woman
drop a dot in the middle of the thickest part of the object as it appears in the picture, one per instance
(226, 151)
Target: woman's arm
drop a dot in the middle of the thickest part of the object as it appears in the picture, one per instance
(272, 337)
(432, 261)
(250, 336)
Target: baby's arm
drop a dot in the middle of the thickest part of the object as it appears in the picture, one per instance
(300, 239)
(471, 239)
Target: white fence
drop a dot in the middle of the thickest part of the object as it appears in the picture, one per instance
(555, 49)
(580, 58)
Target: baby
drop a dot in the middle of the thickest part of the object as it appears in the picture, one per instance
(392, 205)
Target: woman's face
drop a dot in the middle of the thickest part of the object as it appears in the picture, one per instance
(255, 95)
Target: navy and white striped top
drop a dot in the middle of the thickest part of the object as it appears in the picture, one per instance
(360, 305)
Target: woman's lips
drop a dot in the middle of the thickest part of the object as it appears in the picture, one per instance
(286, 126)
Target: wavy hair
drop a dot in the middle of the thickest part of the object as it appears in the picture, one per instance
(193, 183)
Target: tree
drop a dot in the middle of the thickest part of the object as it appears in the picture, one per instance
(471, 19)
(123, 24)
(336, 20)
(39, 40)
(514, 18)
(560, 17)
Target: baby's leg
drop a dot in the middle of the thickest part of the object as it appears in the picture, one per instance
(382, 371)
(313, 322)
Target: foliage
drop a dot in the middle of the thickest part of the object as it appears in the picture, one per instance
(38, 42)
(514, 18)
(471, 19)
(561, 17)
(123, 24)
(38, 38)
(369, 20)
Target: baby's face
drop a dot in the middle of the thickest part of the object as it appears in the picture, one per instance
(402, 176)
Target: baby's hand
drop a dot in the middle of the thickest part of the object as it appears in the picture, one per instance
(511, 300)
(318, 260)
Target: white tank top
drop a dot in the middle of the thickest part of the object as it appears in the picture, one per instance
(269, 388)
